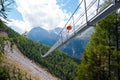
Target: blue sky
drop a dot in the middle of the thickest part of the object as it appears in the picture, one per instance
(68, 5)
(48, 14)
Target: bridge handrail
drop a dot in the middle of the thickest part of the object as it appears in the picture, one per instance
(115, 4)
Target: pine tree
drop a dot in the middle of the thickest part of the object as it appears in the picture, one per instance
(100, 61)
(5, 7)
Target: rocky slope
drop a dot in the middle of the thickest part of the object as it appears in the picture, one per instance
(15, 56)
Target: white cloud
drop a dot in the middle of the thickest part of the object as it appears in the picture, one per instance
(19, 26)
(44, 13)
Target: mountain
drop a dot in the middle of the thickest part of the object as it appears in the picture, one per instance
(56, 30)
(41, 35)
(74, 47)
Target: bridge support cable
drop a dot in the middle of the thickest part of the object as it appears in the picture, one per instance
(112, 6)
(73, 25)
(85, 11)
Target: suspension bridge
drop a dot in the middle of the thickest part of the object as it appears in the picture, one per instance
(84, 17)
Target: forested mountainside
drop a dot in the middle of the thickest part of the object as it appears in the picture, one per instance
(59, 63)
(101, 59)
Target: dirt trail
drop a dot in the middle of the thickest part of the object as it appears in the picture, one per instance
(27, 64)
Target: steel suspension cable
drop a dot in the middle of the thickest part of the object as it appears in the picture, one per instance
(89, 6)
(70, 18)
